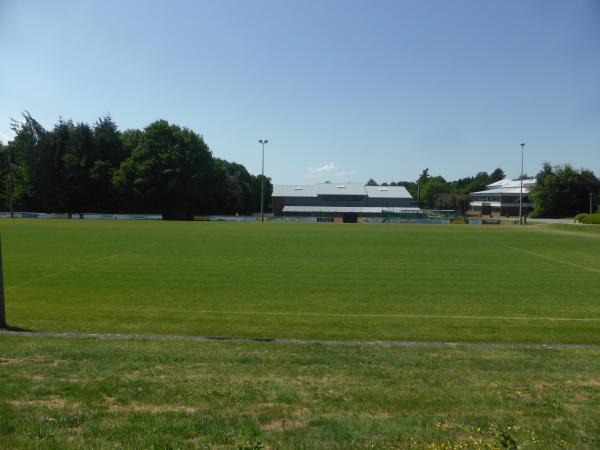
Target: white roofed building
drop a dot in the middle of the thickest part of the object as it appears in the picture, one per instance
(502, 198)
(346, 200)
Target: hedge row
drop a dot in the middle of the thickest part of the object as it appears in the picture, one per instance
(588, 218)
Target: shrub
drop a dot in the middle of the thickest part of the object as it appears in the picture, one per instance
(588, 218)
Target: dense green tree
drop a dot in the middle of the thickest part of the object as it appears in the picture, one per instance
(239, 191)
(479, 183)
(372, 182)
(163, 168)
(431, 188)
(110, 152)
(457, 191)
(497, 175)
(452, 200)
(66, 169)
(170, 170)
(268, 192)
(423, 177)
(32, 168)
(562, 191)
(74, 148)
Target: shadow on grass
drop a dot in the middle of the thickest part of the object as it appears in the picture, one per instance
(17, 329)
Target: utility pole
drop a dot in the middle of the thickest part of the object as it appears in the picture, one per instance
(521, 194)
(262, 180)
(2, 310)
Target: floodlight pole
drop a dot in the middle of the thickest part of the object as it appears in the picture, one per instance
(521, 194)
(2, 310)
(262, 180)
(591, 196)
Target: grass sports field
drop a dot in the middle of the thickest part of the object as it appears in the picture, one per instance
(426, 283)
(464, 284)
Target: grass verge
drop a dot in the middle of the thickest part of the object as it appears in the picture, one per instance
(88, 393)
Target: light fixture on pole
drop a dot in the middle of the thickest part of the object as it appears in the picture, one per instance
(521, 193)
(262, 180)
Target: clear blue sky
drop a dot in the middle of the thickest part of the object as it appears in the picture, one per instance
(342, 89)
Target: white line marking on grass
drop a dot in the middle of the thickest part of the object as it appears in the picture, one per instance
(316, 314)
(410, 316)
(159, 337)
(74, 268)
(550, 258)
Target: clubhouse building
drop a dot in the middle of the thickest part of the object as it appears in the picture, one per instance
(345, 202)
(502, 198)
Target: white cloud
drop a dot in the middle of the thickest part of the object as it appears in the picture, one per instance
(323, 170)
(4, 138)
(329, 170)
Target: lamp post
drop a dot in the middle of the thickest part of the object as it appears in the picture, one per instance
(521, 194)
(262, 180)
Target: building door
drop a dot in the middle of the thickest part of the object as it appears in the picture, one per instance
(350, 218)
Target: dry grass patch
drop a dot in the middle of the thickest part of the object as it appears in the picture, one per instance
(54, 402)
(22, 360)
(113, 406)
(590, 382)
(284, 424)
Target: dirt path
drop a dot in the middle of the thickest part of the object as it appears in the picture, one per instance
(155, 337)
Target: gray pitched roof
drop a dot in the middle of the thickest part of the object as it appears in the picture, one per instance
(294, 190)
(313, 190)
(341, 189)
(387, 192)
(508, 183)
(508, 190)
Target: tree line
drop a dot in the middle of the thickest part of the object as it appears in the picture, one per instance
(168, 169)
(163, 168)
(435, 192)
(560, 191)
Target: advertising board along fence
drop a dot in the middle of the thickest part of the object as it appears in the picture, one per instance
(80, 216)
(430, 217)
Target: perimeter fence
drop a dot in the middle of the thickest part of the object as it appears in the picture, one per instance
(79, 216)
(424, 217)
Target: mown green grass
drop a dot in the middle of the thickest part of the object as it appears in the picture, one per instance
(305, 280)
(429, 283)
(578, 228)
(76, 393)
